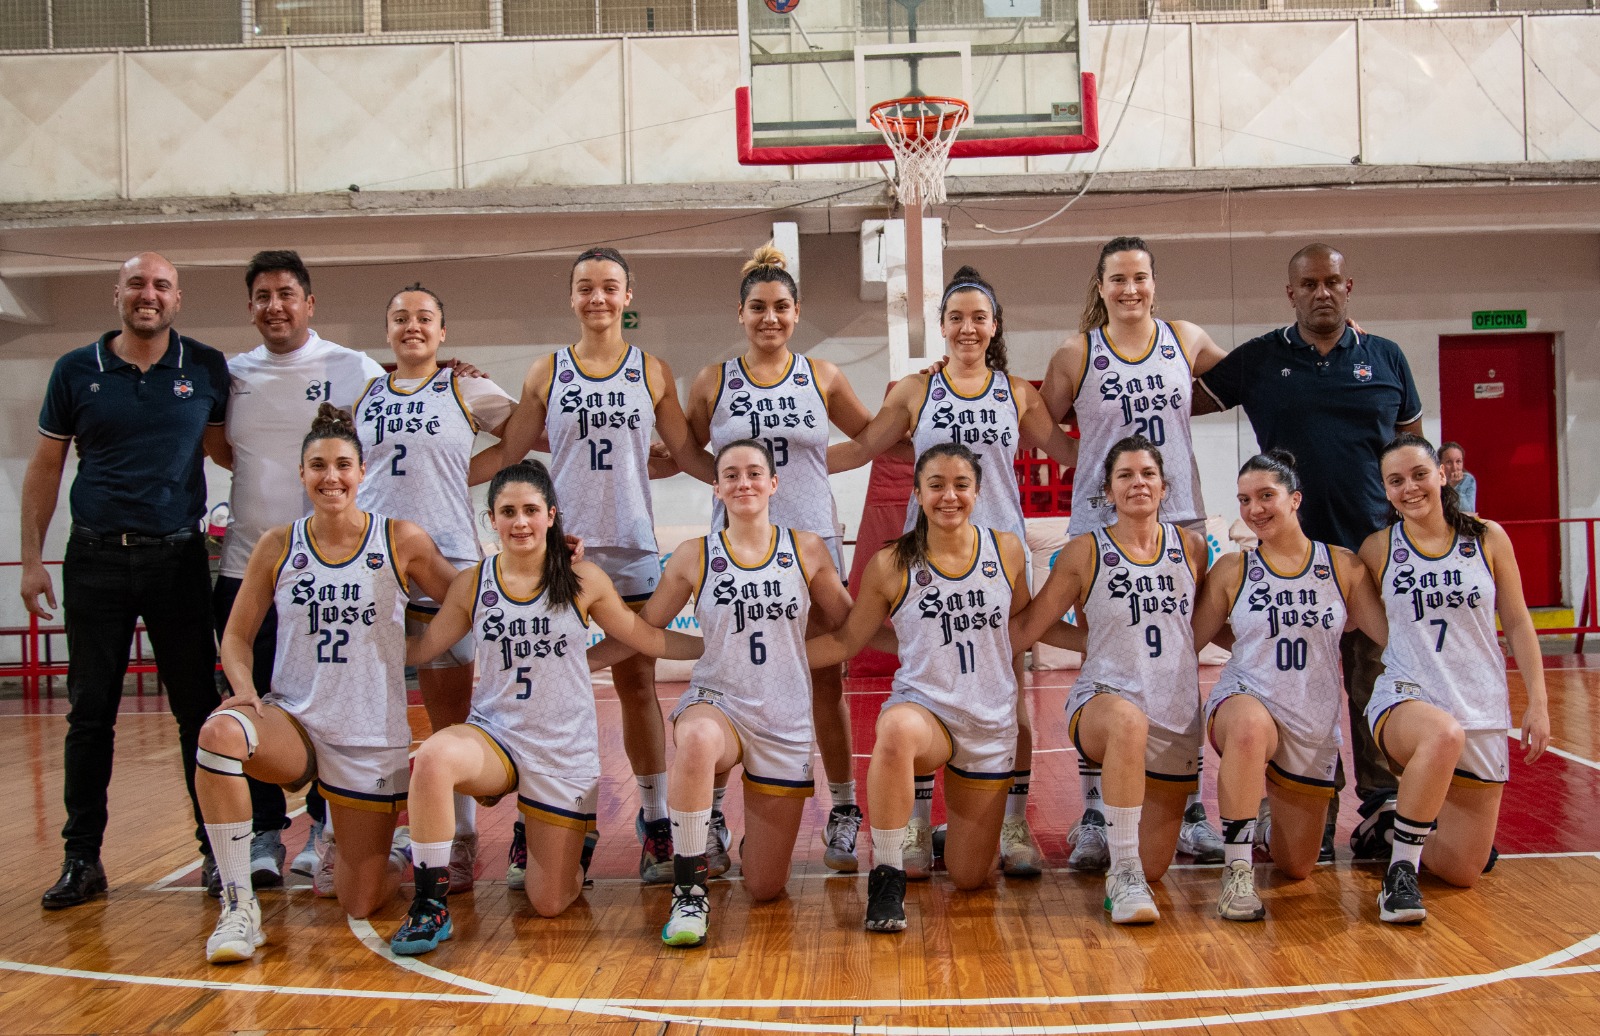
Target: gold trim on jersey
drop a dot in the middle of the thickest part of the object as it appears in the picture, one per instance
(977, 549)
(800, 558)
(788, 370)
(1149, 347)
(505, 591)
(1455, 540)
(905, 587)
(1161, 549)
(366, 534)
(388, 381)
(1244, 568)
(772, 550)
(1011, 578)
(1338, 583)
(1305, 567)
(394, 555)
(466, 411)
(572, 352)
(283, 558)
(987, 386)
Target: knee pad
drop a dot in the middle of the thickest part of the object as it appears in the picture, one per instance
(227, 765)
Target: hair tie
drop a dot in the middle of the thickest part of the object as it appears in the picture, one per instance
(968, 286)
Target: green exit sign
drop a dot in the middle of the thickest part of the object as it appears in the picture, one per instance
(630, 320)
(1500, 320)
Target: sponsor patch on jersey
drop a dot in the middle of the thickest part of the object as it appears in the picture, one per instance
(565, 376)
(990, 569)
(1363, 372)
(1257, 574)
(1001, 395)
(375, 561)
(785, 560)
(1168, 352)
(1111, 559)
(1321, 571)
(719, 564)
(1101, 363)
(183, 388)
(937, 393)
(300, 561)
(1469, 550)
(1401, 555)
(490, 598)
(632, 374)
(802, 379)
(736, 383)
(924, 577)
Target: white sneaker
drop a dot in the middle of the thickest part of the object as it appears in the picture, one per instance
(1128, 895)
(400, 847)
(917, 856)
(1091, 852)
(1198, 838)
(463, 863)
(305, 861)
(238, 931)
(1238, 901)
(322, 879)
(686, 925)
(1019, 857)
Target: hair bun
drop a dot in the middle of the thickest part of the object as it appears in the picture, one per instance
(1284, 457)
(766, 257)
(967, 273)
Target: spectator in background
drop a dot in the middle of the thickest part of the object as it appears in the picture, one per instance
(1453, 461)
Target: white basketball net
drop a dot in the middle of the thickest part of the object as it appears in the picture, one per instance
(920, 132)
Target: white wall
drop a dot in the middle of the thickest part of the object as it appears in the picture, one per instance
(304, 119)
(502, 314)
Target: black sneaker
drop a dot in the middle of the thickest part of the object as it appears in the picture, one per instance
(517, 858)
(427, 924)
(1400, 899)
(655, 856)
(886, 899)
(1329, 829)
(1373, 838)
(1494, 858)
(210, 880)
(81, 880)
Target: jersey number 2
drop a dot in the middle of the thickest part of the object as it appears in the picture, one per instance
(328, 647)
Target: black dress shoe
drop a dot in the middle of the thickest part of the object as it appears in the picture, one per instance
(81, 880)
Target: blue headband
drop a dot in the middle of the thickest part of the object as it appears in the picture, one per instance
(968, 286)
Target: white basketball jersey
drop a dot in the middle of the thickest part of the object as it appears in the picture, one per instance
(418, 443)
(533, 689)
(340, 663)
(1441, 631)
(955, 647)
(1118, 398)
(1286, 647)
(1140, 642)
(986, 424)
(599, 428)
(791, 417)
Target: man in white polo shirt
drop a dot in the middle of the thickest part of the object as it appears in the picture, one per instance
(276, 389)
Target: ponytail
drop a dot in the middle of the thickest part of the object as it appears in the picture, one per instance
(561, 583)
(1095, 315)
(1460, 521)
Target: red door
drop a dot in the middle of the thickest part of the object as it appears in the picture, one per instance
(1497, 399)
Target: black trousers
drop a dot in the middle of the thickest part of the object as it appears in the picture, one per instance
(1362, 659)
(106, 590)
(267, 807)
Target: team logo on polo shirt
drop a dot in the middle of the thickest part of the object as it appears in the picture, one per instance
(1168, 352)
(1001, 395)
(1469, 550)
(1401, 555)
(1320, 571)
(1174, 555)
(375, 561)
(300, 561)
(1363, 372)
(632, 374)
(802, 379)
(785, 560)
(183, 388)
(990, 569)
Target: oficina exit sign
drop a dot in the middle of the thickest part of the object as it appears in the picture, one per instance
(1500, 320)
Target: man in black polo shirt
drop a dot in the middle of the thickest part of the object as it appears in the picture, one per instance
(142, 404)
(1332, 395)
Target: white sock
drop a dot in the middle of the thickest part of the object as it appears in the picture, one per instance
(430, 854)
(652, 794)
(1122, 833)
(230, 845)
(922, 805)
(1409, 836)
(716, 798)
(843, 793)
(1238, 837)
(1017, 798)
(888, 848)
(689, 831)
(1199, 779)
(466, 815)
(1089, 777)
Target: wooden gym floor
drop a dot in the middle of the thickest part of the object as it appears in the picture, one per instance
(1517, 955)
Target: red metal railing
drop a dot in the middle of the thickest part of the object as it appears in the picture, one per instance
(1588, 614)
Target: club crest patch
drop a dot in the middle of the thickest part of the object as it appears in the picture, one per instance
(990, 569)
(1469, 550)
(375, 561)
(632, 374)
(1001, 395)
(441, 386)
(785, 560)
(1321, 571)
(183, 388)
(1168, 352)
(1363, 372)
(802, 380)
(1174, 555)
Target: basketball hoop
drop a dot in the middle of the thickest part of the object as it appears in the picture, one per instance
(920, 132)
